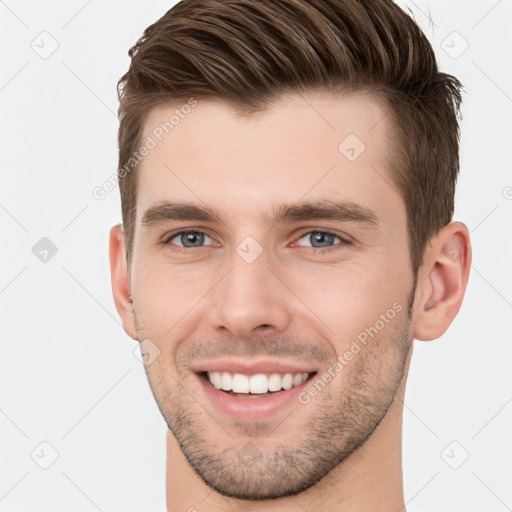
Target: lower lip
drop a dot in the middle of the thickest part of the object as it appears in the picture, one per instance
(251, 409)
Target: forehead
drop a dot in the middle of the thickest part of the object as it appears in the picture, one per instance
(310, 146)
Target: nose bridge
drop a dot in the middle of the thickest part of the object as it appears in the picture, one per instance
(249, 295)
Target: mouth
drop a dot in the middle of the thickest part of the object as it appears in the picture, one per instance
(257, 385)
(250, 394)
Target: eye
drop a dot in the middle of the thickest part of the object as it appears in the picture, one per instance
(189, 239)
(321, 239)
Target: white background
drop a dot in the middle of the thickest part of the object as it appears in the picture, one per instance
(68, 375)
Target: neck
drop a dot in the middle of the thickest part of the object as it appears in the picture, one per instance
(370, 479)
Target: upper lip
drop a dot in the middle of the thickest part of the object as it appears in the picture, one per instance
(252, 367)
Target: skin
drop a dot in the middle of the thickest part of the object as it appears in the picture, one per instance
(342, 449)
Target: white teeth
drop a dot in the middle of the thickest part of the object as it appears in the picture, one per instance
(287, 381)
(240, 383)
(274, 382)
(257, 384)
(216, 379)
(227, 381)
(297, 379)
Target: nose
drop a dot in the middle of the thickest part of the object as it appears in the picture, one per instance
(250, 298)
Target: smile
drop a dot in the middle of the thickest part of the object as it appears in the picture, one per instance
(253, 396)
(258, 384)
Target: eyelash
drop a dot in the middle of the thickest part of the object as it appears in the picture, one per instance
(314, 250)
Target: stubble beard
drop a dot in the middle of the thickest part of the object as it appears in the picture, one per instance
(343, 419)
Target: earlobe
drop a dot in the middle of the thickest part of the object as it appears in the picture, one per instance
(446, 270)
(121, 280)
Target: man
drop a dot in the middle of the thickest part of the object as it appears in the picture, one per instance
(287, 173)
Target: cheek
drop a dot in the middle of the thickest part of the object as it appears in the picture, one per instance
(165, 299)
(351, 297)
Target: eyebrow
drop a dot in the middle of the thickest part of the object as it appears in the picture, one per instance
(324, 210)
(306, 211)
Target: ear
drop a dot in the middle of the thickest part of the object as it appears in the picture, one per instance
(121, 280)
(443, 280)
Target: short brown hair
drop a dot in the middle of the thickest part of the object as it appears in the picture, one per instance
(249, 52)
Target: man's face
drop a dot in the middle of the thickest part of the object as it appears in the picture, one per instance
(302, 271)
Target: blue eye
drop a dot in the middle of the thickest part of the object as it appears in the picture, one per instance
(189, 239)
(321, 239)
